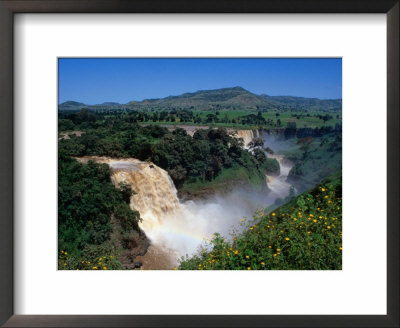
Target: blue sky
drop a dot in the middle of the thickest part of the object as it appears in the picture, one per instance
(98, 80)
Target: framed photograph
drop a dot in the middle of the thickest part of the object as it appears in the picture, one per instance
(206, 164)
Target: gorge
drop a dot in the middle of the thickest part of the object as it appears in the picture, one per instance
(176, 228)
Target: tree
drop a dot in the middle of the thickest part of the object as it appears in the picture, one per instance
(256, 142)
(126, 191)
(259, 155)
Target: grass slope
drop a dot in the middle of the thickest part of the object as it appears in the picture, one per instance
(225, 182)
(305, 234)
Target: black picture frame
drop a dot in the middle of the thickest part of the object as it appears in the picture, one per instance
(10, 7)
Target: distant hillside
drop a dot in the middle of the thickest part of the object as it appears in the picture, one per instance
(70, 105)
(235, 98)
(73, 105)
(301, 103)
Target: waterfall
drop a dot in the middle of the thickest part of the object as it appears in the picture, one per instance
(246, 135)
(175, 229)
(278, 184)
(154, 196)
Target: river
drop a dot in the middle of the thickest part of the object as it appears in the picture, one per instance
(178, 228)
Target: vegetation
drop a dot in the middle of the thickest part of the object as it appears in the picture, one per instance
(216, 118)
(189, 160)
(96, 224)
(305, 234)
(315, 159)
(235, 98)
(87, 203)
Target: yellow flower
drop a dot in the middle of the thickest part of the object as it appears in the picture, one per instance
(94, 268)
(323, 189)
(247, 257)
(274, 255)
(340, 248)
(262, 263)
(104, 268)
(315, 220)
(326, 196)
(278, 249)
(269, 246)
(65, 253)
(241, 220)
(308, 232)
(251, 228)
(329, 227)
(287, 238)
(236, 252)
(248, 268)
(273, 214)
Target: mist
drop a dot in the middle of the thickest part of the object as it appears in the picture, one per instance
(177, 228)
(187, 228)
(276, 142)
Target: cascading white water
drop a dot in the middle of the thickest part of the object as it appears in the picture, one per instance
(175, 229)
(154, 195)
(278, 184)
(246, 135)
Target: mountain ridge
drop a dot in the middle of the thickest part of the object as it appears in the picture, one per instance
(231, 98)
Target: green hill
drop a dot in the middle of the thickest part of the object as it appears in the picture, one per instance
(300, 103)
(304, 234)
(71, 105)
(235, 98)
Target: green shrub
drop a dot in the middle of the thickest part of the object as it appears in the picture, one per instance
(87, 200)
(91, 259)
(305, 234)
